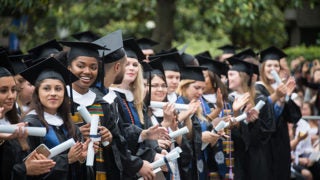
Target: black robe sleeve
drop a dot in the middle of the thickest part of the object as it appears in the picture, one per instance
(62, 169)
(122, 159)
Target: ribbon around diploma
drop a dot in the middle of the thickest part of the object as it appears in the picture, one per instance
(83, 111)
(172, 155)
(94, 137)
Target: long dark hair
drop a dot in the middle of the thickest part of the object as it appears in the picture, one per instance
(12, 115)
(217, 83)
(63, 110)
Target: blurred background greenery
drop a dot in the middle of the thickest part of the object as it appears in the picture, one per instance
(200, 24)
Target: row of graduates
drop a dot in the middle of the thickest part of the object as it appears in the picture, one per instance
(137, 134)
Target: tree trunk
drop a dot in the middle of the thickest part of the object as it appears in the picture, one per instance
(163, 32)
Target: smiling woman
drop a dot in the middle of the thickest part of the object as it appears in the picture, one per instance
(50, 108)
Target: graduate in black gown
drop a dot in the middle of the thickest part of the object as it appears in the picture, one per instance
(190, 91)
(14, 145)
(170, 66)
(50, 109)
(251, 137)
(127, 164)
(167, 117)
(83, 61)
(284, 110)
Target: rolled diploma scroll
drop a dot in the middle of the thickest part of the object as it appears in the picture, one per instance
(179, 107)
(87, 118)
(259, 105)
(276, 76)
(84, 113)
(242, 117)
(176, 149)
(32, 131)
(179, 132)
(160, 162)
(220, 126)
(278, 80)
(61, 147)
(174, 154)
(155, 171)
(93, 132)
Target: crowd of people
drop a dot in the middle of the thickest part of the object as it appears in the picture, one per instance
(143, 97)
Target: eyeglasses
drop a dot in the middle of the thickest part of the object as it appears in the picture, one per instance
(163, 86)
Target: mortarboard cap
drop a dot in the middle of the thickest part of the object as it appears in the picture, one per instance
(86, 36)
(193, 73)
(114, 42)
(271, 53)
(44, 50)
(5, 65)
(148, 69)
(82, 49)
(47, 69)
(18, 62)
(133, 50)
(241, 66)
(248, 53)
(187, 59)
(146, 43)
(205, 54)
(216, 67)
(169, 61)
(228, 49)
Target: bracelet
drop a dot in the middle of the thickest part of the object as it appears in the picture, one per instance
(81, 162)
(2, 141)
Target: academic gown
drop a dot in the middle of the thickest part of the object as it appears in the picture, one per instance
(130, 116)
(130, 164)
(195, 145)
(10, 153)
(280, 142)
(92, 101)
(55, 136)
(185, 155)
(256, 137)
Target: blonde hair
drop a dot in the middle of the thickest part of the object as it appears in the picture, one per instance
(137, 88)
(182, 91)
(264, 78)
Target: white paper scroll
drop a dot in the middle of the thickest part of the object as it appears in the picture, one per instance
(179, 132)
(172, 155)
(276, 76)
(61, 147)
(259, 105)
(93, 132)
(179, 107)
(87, 117)
(160, 162)
(84, 113)
(32, 131)
(221, 125)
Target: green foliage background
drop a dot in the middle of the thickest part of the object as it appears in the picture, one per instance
(201, 24)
